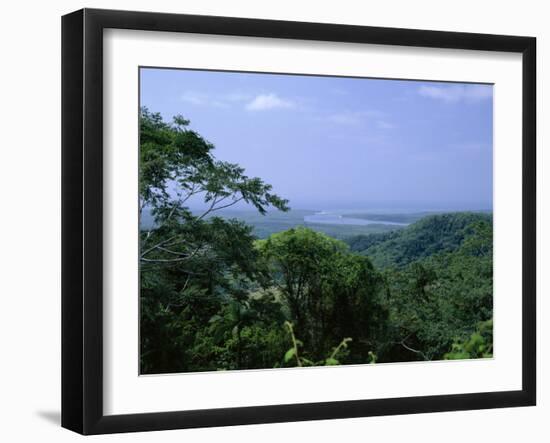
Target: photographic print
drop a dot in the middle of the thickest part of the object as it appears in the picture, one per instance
(300, 220)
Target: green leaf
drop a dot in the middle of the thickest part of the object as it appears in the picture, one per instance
(331, 362)
(290, 354)
(214, 318)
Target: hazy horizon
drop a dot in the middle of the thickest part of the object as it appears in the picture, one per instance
(375, 207)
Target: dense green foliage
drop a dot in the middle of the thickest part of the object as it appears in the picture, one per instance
(216, 296)
(443, 297)
(430, 235)
(329, 292)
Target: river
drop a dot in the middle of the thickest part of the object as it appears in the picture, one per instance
(331, 218)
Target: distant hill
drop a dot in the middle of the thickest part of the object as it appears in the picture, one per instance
(430, 235)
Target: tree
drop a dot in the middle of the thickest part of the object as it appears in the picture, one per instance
(176, 165)
(330, 293)
(441, 299)
(190, 261)
(296, 259)
(236, 315)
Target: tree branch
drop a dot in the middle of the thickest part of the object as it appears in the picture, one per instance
(214, 202)
(402, 343)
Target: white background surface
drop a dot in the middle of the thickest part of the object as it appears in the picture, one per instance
(127, 393)
(30, 220)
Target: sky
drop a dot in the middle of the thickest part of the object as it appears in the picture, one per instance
(336, 142)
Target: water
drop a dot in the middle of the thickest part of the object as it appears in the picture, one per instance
(331, 218)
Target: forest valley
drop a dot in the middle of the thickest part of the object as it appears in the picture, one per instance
(213, 296)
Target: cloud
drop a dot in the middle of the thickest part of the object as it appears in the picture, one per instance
(384, 124)
(201, 99)
(345, 118)
(457, 93)
(236, 97)
(217, 101)
(194, 98)
(354, 118)
(264, 102)
(251, 102)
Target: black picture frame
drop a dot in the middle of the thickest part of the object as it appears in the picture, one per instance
(82, 215)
